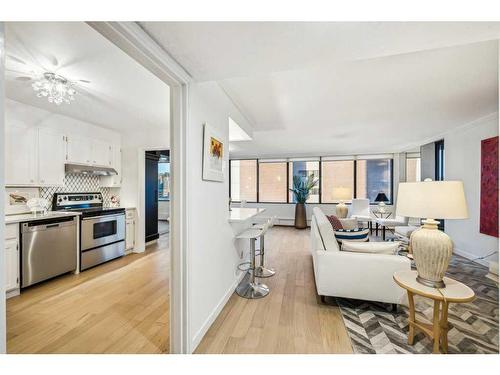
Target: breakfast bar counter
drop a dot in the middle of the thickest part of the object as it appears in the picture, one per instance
(242, 214)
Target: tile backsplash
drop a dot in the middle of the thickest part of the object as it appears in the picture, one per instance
(78, 183)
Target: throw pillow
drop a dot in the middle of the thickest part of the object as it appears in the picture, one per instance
(371, 247)
(358, 234)
(334, 220)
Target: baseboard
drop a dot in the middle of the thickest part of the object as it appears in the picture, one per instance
(471, 256)
(214, 314)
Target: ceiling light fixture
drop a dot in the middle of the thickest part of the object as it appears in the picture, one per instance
(55, 88)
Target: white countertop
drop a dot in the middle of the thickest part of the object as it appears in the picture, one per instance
(238, 214)
(10, 219)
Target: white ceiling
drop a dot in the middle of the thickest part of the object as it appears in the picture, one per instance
(342, 88)
(121, 94)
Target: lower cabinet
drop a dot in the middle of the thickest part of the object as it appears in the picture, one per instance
(130, 230)
(11, 246)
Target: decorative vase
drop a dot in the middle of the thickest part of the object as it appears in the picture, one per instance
(432, 251)
(341, 210)
(300, 216)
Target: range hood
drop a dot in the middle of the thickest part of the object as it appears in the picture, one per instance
(89, 170)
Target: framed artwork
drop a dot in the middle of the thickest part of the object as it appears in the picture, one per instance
(213, 155)
(488, 223)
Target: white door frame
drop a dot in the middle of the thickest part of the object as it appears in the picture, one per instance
(134, 41)
(3, 311)
(141, 207)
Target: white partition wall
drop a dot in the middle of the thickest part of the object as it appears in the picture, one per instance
(3, 333)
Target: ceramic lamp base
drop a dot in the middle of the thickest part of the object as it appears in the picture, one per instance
(432, 251)
(341, 210)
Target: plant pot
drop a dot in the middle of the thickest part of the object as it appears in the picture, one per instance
(300, 216)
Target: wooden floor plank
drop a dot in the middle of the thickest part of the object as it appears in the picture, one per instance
(291, 319)
(118, 307)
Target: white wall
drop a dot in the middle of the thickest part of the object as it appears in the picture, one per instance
(463, 162)
(212, 256)
(3, 332)
(16, 112)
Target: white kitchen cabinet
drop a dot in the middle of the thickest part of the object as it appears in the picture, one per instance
(101, 153)
(11, 246)
(78, 149)
(50, 157)
(20, 155)
(130, 232)
(116, 163)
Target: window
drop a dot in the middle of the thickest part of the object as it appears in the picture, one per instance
(243, 180)
(304, 169)
(272, 182)
(164, 178)
(413, 170)
(373, 176)
(336, 174)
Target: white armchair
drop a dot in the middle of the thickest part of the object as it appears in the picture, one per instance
(360, 210)
(398, 221)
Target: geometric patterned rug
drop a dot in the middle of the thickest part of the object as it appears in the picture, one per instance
(473, 326)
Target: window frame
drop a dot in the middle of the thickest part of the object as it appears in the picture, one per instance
(286, 180)
(320, 161)
(256, 180)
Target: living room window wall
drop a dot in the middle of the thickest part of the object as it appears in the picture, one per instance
(303, 169)
(336, 174)
(272, 182)
(374, 176)
(243, 176)
(268, 181)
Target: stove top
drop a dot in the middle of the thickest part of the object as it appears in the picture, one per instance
(89, 204)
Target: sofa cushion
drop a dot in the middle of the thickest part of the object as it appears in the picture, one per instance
(371, 247)
(358, 234)
(335, 221)
(325, 230)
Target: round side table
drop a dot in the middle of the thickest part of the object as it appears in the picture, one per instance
(454, 292)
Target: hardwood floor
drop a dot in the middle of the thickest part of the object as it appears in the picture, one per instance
(118, 307)
(291, 319)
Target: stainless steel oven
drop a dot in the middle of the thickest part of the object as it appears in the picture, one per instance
(102, 230)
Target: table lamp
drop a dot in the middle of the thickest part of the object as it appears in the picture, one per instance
(431, 247)
(381, 198)
(341, 194)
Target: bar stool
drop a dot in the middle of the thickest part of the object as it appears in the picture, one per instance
(249, 287)
(262, 271)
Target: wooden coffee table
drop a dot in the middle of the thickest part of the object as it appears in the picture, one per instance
(454, 292)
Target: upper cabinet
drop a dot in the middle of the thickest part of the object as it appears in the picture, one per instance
(20, 155)
(50, 157)
(78, 149)
(101, 153)
(116, 163)
(83, 150)
(36, 156)
(33, 156)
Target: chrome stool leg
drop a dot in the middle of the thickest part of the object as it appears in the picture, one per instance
(262, 271)
(248, 287)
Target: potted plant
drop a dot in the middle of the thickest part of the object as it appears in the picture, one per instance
(301, 189)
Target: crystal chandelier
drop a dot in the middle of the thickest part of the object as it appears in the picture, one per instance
(55, 88)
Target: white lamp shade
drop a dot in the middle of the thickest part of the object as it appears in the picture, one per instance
(342, 193)
(432, 199)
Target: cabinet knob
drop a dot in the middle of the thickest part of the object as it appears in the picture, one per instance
(32, 180)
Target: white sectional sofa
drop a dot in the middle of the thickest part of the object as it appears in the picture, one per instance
(358, 275)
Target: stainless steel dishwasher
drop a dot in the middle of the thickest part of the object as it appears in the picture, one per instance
(48, 249)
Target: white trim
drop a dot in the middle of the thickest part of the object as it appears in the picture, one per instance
(3, 311)
(215, 313)
(471, 257)
(272, 160)
(335, 158)
(134, 41)
(374, 156)
(437, 137)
